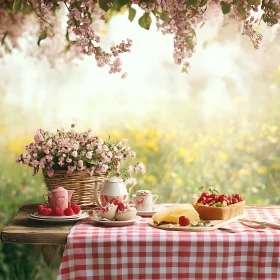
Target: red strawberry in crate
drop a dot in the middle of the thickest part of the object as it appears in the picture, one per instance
(58, 212)
(76, 208)
(68, 211)
(46, 211)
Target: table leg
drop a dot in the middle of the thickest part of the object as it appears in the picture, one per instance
(50, 253)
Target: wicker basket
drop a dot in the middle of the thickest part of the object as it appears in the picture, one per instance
(80, 181)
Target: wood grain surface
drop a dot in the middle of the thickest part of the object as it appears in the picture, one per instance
(23, 230)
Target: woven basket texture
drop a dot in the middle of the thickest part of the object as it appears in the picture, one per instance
(80, 181)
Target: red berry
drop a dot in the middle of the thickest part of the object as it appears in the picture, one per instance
(214, 196)
(205, 194)
(221, 198)
(184, 221)
(76, 208)
(121, 206)
(68, 211)
(58, 212)
(46, 212)
(238, 197)
(202, 199)
(234, 200)
(40, 208)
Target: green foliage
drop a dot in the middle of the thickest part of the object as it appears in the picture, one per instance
(145, 21)
(17, 5)
(225, 7)
(104, 4)
(131, 14)
(43, 36)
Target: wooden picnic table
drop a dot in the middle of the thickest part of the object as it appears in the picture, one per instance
(47, 237)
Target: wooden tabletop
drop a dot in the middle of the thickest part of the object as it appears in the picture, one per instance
(24, 230)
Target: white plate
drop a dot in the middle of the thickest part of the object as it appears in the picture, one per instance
(58, 219)
(151, 213)
(109, 223)
(36, 215)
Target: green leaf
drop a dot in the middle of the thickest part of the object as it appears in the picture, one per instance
(92, 161)
(164, 16)
(42, 36)
(185, 70)
(225, 7)
(103, 4)
(17, 5)
(121, 3)
(131, 14)
(89, 17)
(145, 21)
(193, 3)
(241, 11)
(67, 36)
(203, 3)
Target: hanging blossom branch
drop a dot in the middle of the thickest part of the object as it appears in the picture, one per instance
(178, 18)
(87, 40)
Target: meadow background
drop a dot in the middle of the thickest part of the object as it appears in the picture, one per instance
(219, 126)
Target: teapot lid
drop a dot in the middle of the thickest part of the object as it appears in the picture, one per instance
(115, 179)
(58, 189)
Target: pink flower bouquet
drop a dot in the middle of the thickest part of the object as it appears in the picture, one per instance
(73, 151)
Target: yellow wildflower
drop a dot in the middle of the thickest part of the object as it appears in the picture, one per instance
(244, 172)
(262, 170)
(189, 159)
(275, 166)
(152, 145)
(249, 149)
(239, 146)
(273, 128)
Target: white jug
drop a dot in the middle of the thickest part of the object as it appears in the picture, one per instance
(113, 189)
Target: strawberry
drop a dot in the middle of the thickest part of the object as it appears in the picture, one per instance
(58, 212)
(68, 211)
(234, 200)
(46, 211)
(76, 208)
(40, 208)
(184, 221)
(238, 197)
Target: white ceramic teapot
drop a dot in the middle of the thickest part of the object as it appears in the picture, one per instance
(113, 189)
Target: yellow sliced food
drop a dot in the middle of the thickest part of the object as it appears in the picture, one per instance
(172, 214)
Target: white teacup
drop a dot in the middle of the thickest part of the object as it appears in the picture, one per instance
(144, 200)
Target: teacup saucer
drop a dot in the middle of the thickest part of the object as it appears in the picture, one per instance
(156, 208)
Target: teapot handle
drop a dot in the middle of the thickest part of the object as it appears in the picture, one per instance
(132, 181)
(96, 195)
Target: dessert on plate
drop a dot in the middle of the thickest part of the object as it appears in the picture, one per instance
(116, 211)
(182, 214)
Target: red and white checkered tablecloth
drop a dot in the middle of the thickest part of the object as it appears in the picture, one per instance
(139, 251)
